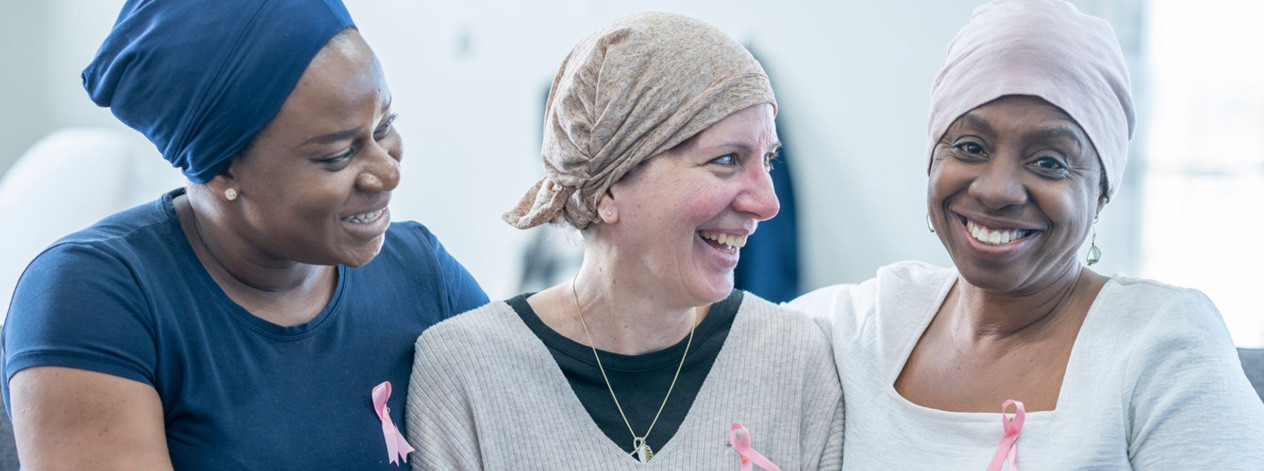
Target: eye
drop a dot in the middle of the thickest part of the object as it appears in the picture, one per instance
(337, 159)
(968, 147)
(771, 158)
(385, 128)
(1049, 163)
(726, 160)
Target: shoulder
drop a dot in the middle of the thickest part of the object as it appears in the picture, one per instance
(847, 307)
(409, 236)
(775, 324)
(492, 325)
(1165, 332)
(123, 243)
(1148, 308)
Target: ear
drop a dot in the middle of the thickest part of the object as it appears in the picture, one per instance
(607, 209)
(1101, 204)
(223, 182)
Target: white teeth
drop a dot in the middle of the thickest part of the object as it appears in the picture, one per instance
(365, 217)
(996, 236)
(730, 241)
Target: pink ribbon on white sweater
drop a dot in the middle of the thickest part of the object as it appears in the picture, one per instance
(1009, 445)
(397, 448)
(740, 438)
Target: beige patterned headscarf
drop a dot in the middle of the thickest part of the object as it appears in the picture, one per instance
(635, 88)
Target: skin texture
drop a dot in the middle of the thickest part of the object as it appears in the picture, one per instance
(646, 268)
(1007, 327)
(271, 250)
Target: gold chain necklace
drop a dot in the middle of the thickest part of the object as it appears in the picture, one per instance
(639, 446)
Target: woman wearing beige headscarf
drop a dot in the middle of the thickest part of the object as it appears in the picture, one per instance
(658, 139)
(1030, 121)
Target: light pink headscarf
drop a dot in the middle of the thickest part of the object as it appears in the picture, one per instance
(1047, 49)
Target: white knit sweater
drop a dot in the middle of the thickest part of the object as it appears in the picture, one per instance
(486, 394)
(1153, 383)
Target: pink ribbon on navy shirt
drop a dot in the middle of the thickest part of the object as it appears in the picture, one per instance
(1009, 445)
(397, 448)
(741, 441)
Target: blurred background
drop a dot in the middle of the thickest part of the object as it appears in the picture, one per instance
(852, 79)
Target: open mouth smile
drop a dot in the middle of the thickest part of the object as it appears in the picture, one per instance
(728, 243)
(364, 218)
(995, 236)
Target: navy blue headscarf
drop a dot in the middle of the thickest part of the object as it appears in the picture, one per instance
(200, 78)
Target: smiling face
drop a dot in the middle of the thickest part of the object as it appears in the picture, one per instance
(1015, 185)
(678, 220)
(315, 182)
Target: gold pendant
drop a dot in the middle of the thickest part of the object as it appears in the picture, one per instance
(643, 451)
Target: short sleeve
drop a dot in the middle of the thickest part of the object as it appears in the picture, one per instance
(1192, 406)
(463, 292)
(78, 306)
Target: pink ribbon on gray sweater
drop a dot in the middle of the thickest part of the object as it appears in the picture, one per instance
(740, 438)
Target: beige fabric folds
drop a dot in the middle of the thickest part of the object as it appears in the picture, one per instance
(1047, 49)
(637, 87)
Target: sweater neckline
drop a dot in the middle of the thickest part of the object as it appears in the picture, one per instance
(690, 426)
(932, 303)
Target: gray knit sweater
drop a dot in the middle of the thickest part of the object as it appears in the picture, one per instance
(486, 394)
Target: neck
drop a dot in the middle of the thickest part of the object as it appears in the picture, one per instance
(625, 318)
(238, 266)
(982, 315)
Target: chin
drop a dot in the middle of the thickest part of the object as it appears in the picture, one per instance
(712, 290)
(362, 256)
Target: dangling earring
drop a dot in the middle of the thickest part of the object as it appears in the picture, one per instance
(1094, 253)
(928, 224)
(230, 194)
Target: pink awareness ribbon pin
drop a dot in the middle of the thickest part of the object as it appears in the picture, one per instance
(740, 438)
(1009, 446)
(397, 447)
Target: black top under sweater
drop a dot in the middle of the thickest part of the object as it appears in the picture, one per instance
(640, 381)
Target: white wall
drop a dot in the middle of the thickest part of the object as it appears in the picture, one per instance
(853, 80)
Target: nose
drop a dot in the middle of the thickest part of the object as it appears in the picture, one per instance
(758, 197)
(999, 184)
(381, 173)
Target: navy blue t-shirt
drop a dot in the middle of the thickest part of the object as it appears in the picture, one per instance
(128, 297)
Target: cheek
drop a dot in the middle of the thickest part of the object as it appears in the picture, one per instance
(946, 179)
(703, 204)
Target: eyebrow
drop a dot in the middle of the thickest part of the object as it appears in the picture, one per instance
(1049, 134)
(1055, 134)
(970, 120)
(740, 146)
(333, 136)
(345, 133)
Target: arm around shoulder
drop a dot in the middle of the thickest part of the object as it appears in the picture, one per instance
(439, 418)
(823, 399)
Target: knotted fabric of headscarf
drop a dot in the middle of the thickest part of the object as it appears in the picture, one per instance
(1046, 49)
(200, 78)
(635, 88)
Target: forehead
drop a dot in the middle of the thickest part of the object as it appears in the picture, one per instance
(1021, 116)
(341, 83)
(753, 125)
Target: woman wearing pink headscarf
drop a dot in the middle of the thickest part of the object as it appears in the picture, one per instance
(1030, 121)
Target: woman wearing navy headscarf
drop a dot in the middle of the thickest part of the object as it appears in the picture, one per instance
(253, 319)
